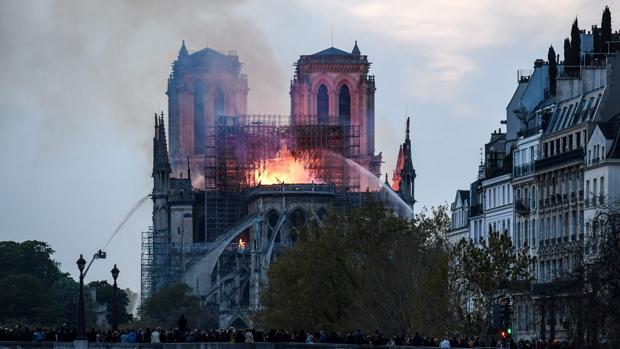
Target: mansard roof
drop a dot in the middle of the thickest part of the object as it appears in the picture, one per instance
(462, 196)
(575, 110)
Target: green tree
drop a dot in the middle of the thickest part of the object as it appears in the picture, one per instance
(64, 295)
(486, 271)
(553, 70)
(29, 257)
(24, 298)
(363, 268)
(104, 295)
(165, 307)
(33, 290)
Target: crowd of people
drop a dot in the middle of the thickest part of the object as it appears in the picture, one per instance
(182, 334)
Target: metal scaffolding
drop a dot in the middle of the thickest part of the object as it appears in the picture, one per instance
(160, 263)
(236, 146)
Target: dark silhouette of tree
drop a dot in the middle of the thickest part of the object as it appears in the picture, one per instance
(165, 307)
(33, 290)
(364, 268)
(606, 28)
(553, 70)
(575, 48)
(597, 43)
(567, 53)
(105, 293)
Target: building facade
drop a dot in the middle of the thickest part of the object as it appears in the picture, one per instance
(562, 147)
(232, 191)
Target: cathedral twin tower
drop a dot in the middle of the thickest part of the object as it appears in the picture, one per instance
(330, 87)
(333, 86)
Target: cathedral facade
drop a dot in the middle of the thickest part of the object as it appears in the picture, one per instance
(233, 190)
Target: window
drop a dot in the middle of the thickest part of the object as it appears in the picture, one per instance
(200, 135)
(594, 188)
(322, 105)
(503, 195)
(602, 190)
(220, 103)
(578, 140)
(344, 105)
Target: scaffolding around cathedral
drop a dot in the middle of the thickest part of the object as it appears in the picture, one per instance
(239, 147)
(160, 261)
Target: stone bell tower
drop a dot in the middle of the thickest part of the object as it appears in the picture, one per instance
(333, 87)
(202, 86)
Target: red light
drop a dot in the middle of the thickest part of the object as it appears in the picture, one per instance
(503, 334)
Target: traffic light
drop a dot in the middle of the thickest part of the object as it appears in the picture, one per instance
(504, 334)
(509, 331)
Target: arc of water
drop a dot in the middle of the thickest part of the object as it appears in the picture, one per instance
(133, 209)
(393, 196)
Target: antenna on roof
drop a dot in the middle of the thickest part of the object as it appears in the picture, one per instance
(332, 34)
(207, 35)
(481, 156)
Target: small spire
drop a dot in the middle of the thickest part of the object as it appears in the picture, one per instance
(189, 174)
(407, 133)
(356, 50)
(183, 50)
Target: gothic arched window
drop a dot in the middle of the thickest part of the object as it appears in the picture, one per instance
(220, 103)
(199, 119)
(322, 105)
(344, 104)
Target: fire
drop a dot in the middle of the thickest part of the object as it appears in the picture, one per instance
(242, 244)
(284, 168)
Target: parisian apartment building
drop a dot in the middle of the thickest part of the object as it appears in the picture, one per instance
(543, 179)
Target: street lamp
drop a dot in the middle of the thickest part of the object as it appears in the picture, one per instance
(81, 263)
(114, 272)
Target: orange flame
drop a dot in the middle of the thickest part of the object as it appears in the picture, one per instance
(242, 244)
(284, 168)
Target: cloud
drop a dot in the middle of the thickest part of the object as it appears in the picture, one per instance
(442, 36)
(79, 85)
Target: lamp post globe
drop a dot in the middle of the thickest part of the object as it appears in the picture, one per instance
(115, 272)
(81, 263)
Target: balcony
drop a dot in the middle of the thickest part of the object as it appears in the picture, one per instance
(475, 210)
(595, 161)
(528, 132)
(523, 170)
(560, 159)
(522, 206)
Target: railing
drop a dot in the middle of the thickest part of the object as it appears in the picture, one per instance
(522, 206)
(329, 189)
(528, 132)
(198, 345)
(475, 210)
(575, 154)
(523, 170)
(595, 161)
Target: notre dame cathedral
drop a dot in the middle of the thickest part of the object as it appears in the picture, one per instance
(232, 190)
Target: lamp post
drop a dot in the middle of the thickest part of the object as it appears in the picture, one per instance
(114, 272)
(81, 263)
